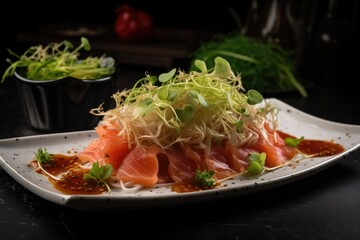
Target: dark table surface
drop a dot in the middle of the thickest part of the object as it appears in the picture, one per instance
(325, 205)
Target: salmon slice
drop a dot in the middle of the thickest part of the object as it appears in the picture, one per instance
(219, 162)
(196, 155)
(277, 152)
(109, 148)
(163, 174)
(180, 167)
(140, 167)
(91, 153)
(238, 157)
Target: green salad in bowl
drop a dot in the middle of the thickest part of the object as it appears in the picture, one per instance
(58, 60)
(57, 88)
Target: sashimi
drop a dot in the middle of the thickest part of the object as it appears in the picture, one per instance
(180, 167)
(140, 166)
(109, 148)
(277, 152)
(238, 157)
(219, 162)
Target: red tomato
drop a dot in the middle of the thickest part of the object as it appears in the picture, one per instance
(132, 24)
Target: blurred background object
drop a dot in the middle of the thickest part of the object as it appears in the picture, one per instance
(321, 34)
(132, 24)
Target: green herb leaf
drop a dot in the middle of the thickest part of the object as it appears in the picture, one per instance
(201, 65)
(163, 93)
(43, 157)
(164, 77)
(254, 97)
(99, 174)
(222, 68)
(293, 142)
(204, 179)
(257, 162)
(85, 43)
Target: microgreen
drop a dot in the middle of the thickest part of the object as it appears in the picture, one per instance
(254, 97)
(201, 65)
(256, 163)
(99, 174)
(293, 142)
(222, 68)
(164, 77)
(204, 179)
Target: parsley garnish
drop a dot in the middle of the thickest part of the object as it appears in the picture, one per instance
(43, 157)
(204, 179)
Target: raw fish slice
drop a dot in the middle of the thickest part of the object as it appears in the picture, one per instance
(180, 167)
(277, 152)
(140, 167)
(219, 162)
(109, 148)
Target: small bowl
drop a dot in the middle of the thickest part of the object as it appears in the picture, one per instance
(63, 104)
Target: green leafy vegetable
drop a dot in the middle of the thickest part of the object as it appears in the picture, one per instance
(265, 67)
(59, 60)
(204, 179)
(99, 174)
(43, 156)
(293, 142)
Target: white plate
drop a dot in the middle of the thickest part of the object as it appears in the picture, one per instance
(16, 153)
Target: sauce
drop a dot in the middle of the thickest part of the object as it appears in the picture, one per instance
(189, 186)
(316, 148)
(72, 178)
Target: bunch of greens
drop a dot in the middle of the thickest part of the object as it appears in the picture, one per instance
(265, 67)
(59, 60)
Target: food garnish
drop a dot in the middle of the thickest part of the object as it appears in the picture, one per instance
(256, 163)
(59, 60)
(43, 156)
(293, 142)
(204, 179)
(99, 174)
